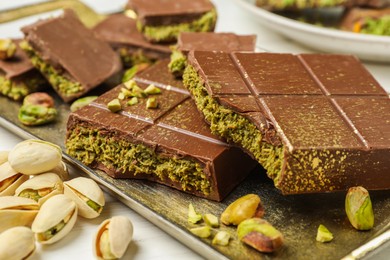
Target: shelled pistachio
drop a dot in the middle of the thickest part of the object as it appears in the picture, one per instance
(17, 211)
(113, 237)
(193, 216)
(87, 195)
(41, 187)
(34, 156)
(248, 206)
(358, 207)
(55, 219)
(10, 179)
(260, 234)
(323, 234)
(17, 243)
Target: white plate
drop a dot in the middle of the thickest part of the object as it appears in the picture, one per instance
(366, 47)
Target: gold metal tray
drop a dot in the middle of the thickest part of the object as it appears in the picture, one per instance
(296, 216)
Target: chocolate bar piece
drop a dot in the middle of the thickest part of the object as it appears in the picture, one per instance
(170, 144)
(281, 5)
(315, 122)
(69, 55)
(368, 21)
(207, 41)
(163, 20)
(18, 77)
(121, 33)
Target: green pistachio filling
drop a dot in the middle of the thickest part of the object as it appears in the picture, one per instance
(130, 59)
(379, 26)
(178, 62)
(205, 23)
(18, 90)
(89, 145)
(31, 194)
(63, 85)
(48, 234)
(96, 207)
(233, 126)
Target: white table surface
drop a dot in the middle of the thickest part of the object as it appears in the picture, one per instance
(149, 242)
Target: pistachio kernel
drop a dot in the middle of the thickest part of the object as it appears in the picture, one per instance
(7, 49)
(133, 101)
(323, 234)
(114, 105)
(203, 232)
(151, 103)
(221, 238)
(193, 217)
(81, 102)
(152, 90)
(211, 220)
(358, 207)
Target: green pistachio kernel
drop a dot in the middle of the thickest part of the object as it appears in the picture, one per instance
(151, 103)
(152, 90)
(358, 207)
(133, 101)
(36, 115)
(211, 220)
(323, 234)
(114, 105)
(203, 232)
(193, 216)
(81, 102)
(7, 49)
(221, 238)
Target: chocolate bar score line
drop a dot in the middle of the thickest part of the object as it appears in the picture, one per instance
(315, 122)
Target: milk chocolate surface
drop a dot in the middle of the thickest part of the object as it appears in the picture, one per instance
(166, 12)
(121, 32)
(73, 50)
(174, 130)
(209, 41)
(330, 117)
(18, 65)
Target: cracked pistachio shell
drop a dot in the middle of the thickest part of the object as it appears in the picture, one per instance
(34, 156)
(61, 170)
(113, 237)
(41, 187)
(3, 156)
(59, 214)
(17, 211)
(10, 180)
(87, 195)
(17, 243)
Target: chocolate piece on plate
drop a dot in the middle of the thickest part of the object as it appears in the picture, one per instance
(207, 41)
(69, 55)
(163, 20)
(18, 77)
(315, 122)
(170, 144)
(121, 33)
(368, 21)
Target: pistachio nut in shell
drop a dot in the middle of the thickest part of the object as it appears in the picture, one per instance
(10, 179)
(55, 219)
(358, 207)
(17, 243)
(113, 237)
(17, 211)
(34, 156)
(260, 235)
(3, 156)
(87, 195)
(245, 207)
(41, 187)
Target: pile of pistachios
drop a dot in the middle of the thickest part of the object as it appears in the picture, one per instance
(246, 213)
(39, 203)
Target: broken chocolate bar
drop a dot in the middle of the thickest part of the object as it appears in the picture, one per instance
(163, 20)
(368, 21)
(207, 41)
(315, 122)
(69, 55)
(121, 33)
(168, 143)
(18, 77)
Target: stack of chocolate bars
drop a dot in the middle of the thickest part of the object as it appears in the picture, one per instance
(201, 121)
